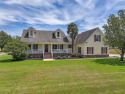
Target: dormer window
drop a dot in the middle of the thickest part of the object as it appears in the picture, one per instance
(58, 34)
(31, 33)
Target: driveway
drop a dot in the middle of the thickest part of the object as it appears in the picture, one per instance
(114, 55)
(3, 54)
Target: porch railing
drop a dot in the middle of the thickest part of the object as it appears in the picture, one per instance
(60, 50)
(35, 51)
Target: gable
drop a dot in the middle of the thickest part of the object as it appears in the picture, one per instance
(96, 32)
(81, 38)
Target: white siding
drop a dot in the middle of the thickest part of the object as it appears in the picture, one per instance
(90, 43)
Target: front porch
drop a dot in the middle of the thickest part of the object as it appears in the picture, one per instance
(47, 50)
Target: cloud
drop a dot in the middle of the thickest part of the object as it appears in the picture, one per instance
(87, 13)
(50, 14)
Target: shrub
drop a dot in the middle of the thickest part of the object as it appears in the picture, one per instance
(64, 57)
(58, 57)
(19, 55)
(17, 50)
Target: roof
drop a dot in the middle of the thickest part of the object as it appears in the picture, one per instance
(49, 36)
(81, 38)
(43, 36)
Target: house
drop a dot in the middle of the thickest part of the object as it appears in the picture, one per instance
(50, 44)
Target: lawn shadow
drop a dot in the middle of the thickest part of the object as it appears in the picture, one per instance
(111, 61)
(8, 61)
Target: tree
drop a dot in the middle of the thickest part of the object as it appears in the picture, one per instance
(17, 38)
(17, 50)
(115, 32)
(72, 30)
(4, 39)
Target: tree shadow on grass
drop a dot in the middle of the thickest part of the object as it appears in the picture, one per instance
(8, 61)
(112, 61)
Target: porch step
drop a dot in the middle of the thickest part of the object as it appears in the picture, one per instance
(47, 56)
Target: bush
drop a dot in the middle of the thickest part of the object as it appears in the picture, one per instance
(58, 57)
(17, 50)
(61, 57)
(19, 55)
(64, 57)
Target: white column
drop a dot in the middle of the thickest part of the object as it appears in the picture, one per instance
(43, 50)
(51, 51)
(67, 48)
(31, 47)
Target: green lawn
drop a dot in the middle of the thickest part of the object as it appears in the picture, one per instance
(113, 51)
(85, 76)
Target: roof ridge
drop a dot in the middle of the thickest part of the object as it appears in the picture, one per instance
(89, 30)
(85, 35)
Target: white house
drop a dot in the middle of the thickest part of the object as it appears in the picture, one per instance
(49, 44)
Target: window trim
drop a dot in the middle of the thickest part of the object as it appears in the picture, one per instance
(97, 38)
(104, 50)
(31, 33)
(57, 46)
(92, 50)
(79, 50)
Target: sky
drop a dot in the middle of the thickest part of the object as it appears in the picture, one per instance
(16, 15)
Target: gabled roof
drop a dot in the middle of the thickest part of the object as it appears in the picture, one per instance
(43, 36)
(49, 36)
(81, 38)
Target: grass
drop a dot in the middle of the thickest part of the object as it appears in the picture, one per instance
(84, 76)
(112, 51)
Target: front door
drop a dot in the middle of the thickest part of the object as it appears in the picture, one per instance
(46, 48)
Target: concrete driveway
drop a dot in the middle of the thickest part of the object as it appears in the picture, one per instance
(3, 54)
(114, 55)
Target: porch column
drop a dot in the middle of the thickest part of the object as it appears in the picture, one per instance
(67, 48)
(43, 51)
(31, 47)
(51, 51)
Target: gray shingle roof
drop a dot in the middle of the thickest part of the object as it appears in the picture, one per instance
(81, 38)
(49, 36)
(44, 36)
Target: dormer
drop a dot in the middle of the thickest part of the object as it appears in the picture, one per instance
(58, 33)
(31, 32)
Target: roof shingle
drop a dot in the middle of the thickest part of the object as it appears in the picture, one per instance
(81, 38)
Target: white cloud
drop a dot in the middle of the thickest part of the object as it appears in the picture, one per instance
(35, 12)
(6, 16)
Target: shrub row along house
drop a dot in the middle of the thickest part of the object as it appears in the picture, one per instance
(50, 44)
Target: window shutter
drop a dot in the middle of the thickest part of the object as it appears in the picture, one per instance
(99, 38)
(94, 38)
(36, 46)
(87, 50)
(106, 50)
(101, 50)
(92, 50)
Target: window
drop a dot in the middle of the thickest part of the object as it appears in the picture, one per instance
(69, 46)
(97, 38)
(31, 33)
(29, 46)
(90, 50)
(61, 46)
(79, 50)
(104, 50)
(55, 46)
(58, 35)
(35, 46)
